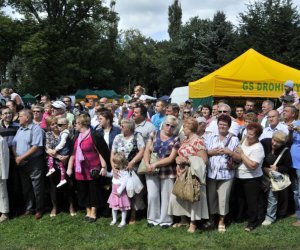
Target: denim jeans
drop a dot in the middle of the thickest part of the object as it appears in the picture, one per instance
(296, 191)
(272, 205)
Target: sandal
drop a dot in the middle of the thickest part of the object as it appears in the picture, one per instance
(178, 225)
(131, 222)
(221, 228)
(192, 228)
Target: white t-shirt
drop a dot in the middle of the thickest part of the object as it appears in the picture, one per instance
(256, 153)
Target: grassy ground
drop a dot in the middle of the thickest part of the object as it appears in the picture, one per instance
(66, 232)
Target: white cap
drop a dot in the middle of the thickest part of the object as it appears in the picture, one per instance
(59, 105)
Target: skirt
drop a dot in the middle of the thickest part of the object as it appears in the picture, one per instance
(117, 202)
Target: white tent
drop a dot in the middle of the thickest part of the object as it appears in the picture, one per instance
(180, 94)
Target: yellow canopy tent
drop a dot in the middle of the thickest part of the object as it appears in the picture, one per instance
(249, 75)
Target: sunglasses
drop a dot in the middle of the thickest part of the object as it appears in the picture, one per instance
(36, 111)
(186, 112)
(223, 111)
(170, 126)
(60, 125)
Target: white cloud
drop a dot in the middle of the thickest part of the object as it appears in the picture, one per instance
(151, 16)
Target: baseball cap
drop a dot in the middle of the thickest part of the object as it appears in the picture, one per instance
(59, 105)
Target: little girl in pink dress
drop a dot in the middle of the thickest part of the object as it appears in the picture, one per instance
(118, 199)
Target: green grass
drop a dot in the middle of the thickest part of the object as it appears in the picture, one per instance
(66, 232)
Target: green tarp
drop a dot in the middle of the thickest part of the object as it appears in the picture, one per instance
(80, 94)
(28, 98)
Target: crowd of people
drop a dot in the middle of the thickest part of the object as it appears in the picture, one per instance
(57, 156)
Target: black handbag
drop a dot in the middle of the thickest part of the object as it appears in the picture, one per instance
(134, 150)
(95, 173)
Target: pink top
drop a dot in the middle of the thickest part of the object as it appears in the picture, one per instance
(43, 124)
(91, 156)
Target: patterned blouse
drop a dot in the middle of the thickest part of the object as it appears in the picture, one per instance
(52, 142)
(163, 149)
(190, 147)
(217, 168)
(123, 145)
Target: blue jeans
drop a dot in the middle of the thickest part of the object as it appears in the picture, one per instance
(296, 191)
(272, 205)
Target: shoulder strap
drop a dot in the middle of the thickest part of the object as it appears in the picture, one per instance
(279, 157)
(227, 143)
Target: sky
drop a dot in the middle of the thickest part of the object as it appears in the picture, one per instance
(151, 16)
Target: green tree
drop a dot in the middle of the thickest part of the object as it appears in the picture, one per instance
(175, 15)
(215, 47)
(272, 28)
(71, 46)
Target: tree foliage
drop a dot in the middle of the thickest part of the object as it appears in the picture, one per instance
(175, 15)
(272, 27)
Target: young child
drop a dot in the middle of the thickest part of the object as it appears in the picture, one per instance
(47, 113)
(288, 91)
(63, 148)
(118, 199)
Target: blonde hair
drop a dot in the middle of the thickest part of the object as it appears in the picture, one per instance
(280, 136)
(171, 118)
(129, 123)
(5, 92)
(140, 89)
(63, 120)
(50, 119)
(84, 119)
(119, 160)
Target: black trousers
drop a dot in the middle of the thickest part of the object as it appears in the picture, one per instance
(248, 194)
(32, 176)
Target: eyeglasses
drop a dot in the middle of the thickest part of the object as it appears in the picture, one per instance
(170, 125)
(186, 112)
(223, 111)
(36, 111)
(60, 125)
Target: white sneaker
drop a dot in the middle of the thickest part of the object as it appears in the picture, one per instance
(122, 224)
(113, 223)
(50, 172)
(61, 183)
(267, 223)
(3, 217)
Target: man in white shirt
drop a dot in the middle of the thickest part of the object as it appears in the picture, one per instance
(274, 125)
(266, 107)
(223, 109)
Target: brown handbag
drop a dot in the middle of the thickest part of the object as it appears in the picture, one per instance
(187, 187)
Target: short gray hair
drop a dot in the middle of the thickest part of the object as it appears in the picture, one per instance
(226, 106)
(170, 118)
(129, 123)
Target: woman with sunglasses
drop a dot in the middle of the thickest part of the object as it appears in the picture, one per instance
(187, 113)
(162, 173)
(56, 194)
(192, 145)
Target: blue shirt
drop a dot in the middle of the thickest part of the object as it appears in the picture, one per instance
(157, 120)
(27, 137)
